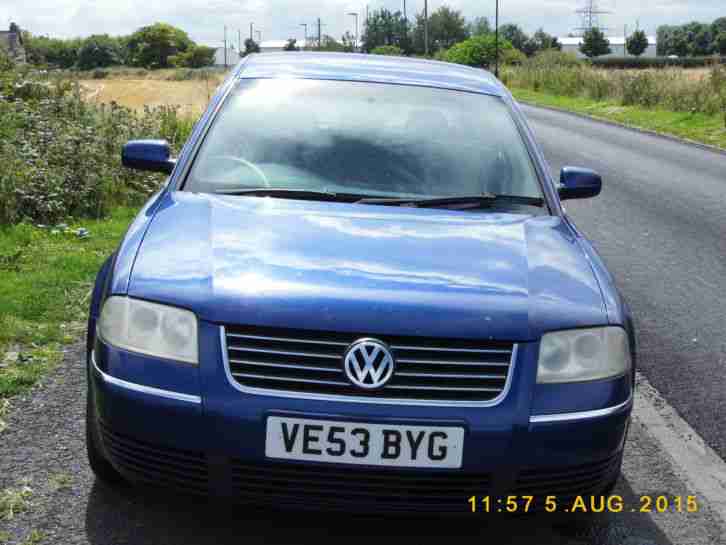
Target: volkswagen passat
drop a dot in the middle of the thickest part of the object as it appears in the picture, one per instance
(358, 289)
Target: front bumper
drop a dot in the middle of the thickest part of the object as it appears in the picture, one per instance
(212, 441)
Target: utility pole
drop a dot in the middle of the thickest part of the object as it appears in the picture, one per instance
(355, 14)
(426, 27)
(239, 42)
(259, 36)
(496, 41)
(404, 11)
(252, 37)
(305, 26)
(225, 46)
(320, 34)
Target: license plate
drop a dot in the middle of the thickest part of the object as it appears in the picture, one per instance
(364, 444)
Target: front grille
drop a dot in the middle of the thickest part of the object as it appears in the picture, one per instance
(156, 465)
(356, 488)
(310, 362)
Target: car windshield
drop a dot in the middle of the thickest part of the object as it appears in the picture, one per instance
(364, 139)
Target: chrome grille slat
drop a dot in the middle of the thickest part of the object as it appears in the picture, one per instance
(302, 363)
(288, 366)
(285, 340)
(441, 388)
(438, 349)
(290, 379)
(282, 352)
(451, 375)
(434, 362)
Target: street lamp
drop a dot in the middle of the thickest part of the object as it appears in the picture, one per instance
(426, 27)
(496, 42)
(355, 14)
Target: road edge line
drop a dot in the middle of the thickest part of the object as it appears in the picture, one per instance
(633, 128)
(698, 464)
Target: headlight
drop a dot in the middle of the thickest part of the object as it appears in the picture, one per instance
(583, 354)
(149, 328)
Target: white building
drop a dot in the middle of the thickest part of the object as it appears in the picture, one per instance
(617, 45)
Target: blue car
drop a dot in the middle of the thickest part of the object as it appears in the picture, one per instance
(358, 290)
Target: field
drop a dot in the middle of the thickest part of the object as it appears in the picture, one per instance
(136, 89)
(190, 96)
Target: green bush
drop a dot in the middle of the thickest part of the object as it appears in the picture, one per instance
(387, 50)
(61, 156)
(197, 56)
(478, 51)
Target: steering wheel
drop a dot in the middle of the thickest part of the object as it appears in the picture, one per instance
(253, 167)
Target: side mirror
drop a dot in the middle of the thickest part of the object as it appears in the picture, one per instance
(151, 155)
(579, 183)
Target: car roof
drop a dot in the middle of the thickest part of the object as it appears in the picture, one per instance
(371, 68)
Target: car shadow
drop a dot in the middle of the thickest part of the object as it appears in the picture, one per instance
(142, 516)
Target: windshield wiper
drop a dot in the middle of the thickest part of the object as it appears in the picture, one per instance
(287, 193)
(462, 202)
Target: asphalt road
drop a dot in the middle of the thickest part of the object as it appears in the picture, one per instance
(660, 225)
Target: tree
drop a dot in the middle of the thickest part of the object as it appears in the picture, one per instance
(151, 46)
(197, 56)
(664, 40)
(99, 51)
(540, 41)
(479, 26)
(637, 43)
(702, 42)
(446, 27)
(514, 34)
(594, 44)
(251, 46)
(718, 26)
(42, 50)
(679, 44)
(386, 28)
(291, 45)
(546, 41)
(721, 43)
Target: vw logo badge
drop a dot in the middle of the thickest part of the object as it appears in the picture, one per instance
(368, 364)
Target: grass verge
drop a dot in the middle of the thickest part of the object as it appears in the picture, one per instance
(46, 278)
(699, 127)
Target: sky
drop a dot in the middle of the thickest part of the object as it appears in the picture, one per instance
(204, 20)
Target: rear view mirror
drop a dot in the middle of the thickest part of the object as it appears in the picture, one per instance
(579, 183)
(149, 155)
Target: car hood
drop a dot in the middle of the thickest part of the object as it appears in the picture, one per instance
(361, 268)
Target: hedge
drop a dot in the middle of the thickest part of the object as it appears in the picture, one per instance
(657, 62)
